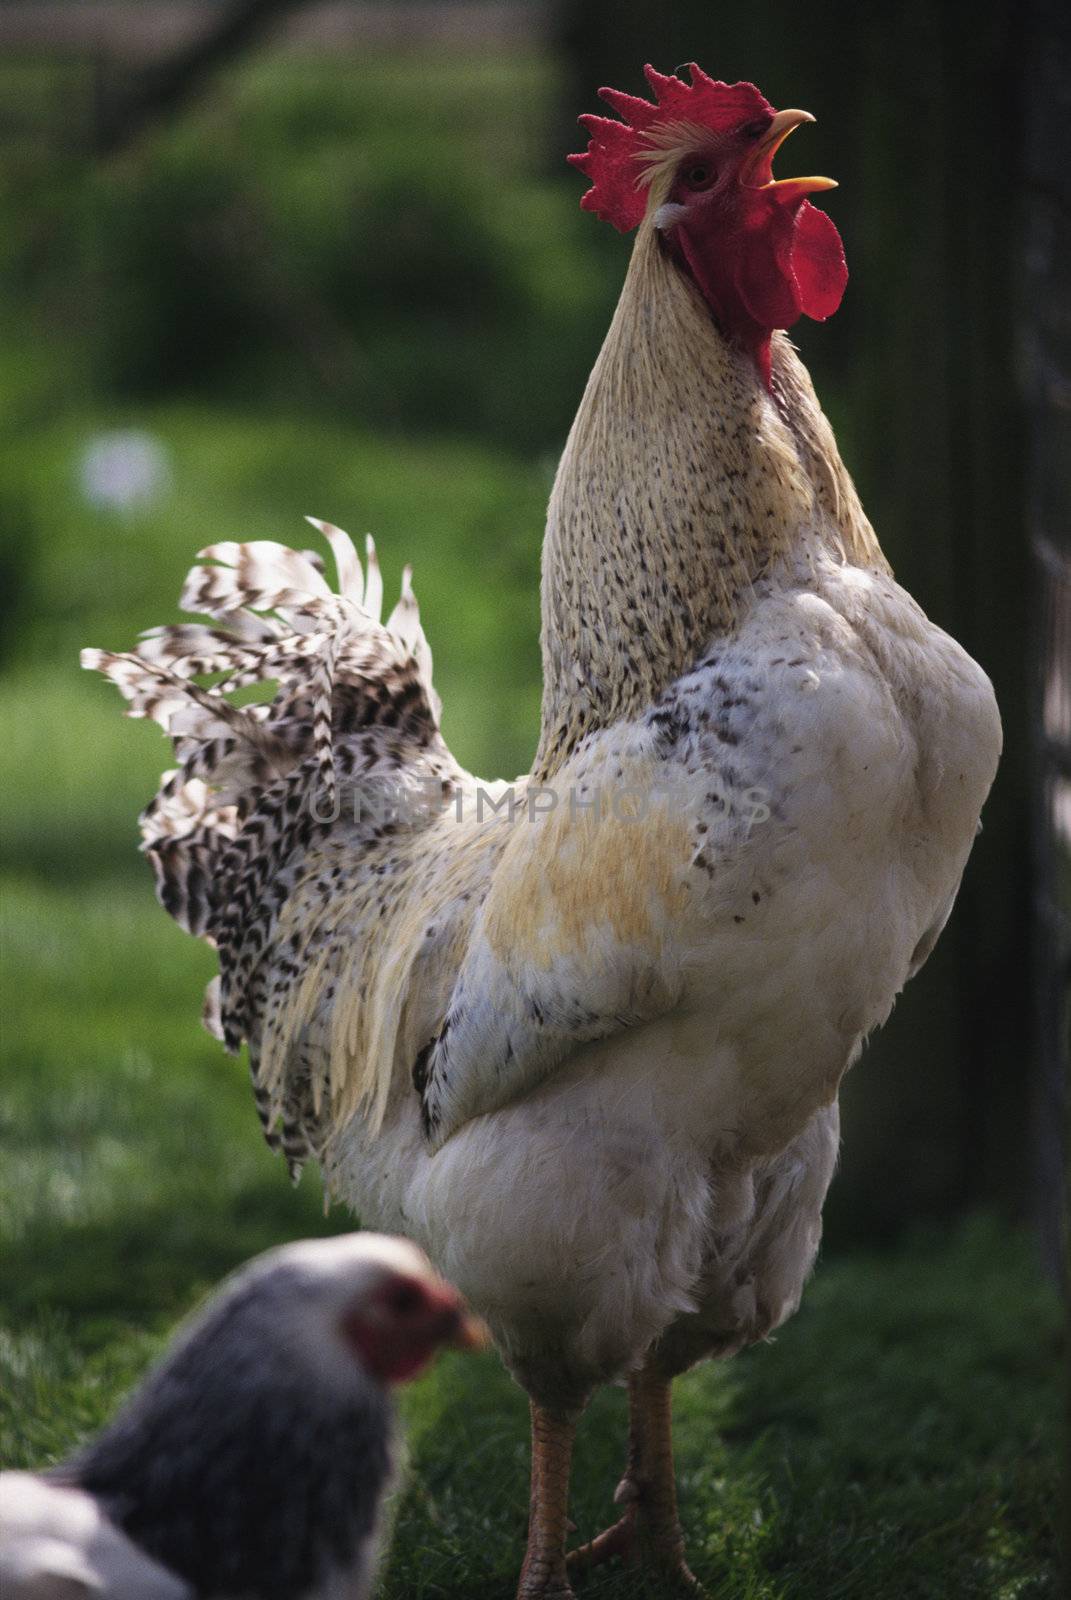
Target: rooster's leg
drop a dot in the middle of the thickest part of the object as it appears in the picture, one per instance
(620, 1539)
(543, 1574)
(658, 1527)
(650, 1529)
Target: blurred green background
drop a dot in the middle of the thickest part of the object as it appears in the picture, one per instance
(336, 265)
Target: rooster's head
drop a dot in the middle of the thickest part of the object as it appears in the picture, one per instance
(699, 159)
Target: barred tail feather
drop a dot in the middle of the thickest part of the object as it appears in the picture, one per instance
(232, 820)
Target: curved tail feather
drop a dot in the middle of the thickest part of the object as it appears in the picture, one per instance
(255, 784)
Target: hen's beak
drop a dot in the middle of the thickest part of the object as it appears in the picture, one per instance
(757, 169)
(454, 1322)
(471, 1333)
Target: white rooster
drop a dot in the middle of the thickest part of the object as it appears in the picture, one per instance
(582, 1038)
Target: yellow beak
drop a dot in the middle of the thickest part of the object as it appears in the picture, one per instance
(757, 171)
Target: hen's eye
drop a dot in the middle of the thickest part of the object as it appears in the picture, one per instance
(698, 175)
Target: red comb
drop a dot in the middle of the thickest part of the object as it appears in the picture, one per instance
(616, 192)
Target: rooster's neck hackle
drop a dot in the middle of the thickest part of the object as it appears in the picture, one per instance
(680, 485)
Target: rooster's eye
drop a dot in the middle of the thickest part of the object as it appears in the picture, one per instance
(698, 175)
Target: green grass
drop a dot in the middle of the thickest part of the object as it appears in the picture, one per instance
(898, 1439)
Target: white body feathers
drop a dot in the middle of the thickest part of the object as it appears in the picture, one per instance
(57, 1544)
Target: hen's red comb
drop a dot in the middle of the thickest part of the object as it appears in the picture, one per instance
(616, 192)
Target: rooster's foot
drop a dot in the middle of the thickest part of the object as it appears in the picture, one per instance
(544, 1586)
(636, 1538)
(619, 1540)
(649, 1532)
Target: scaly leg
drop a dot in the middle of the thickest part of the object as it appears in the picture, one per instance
(543, 1574)
(620, 1539)
(650, 1529)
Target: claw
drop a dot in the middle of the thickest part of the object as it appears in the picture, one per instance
(627, 1492)
(616, 1541)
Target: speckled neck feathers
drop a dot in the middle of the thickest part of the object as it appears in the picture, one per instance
(681, 483)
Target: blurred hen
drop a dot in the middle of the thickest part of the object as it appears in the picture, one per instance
(254, 1459)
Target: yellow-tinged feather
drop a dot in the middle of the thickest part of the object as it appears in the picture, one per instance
(581, 871)
(665, 146)
(378, 1008)
(276, 1044)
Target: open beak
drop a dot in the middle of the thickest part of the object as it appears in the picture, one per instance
(757, 170)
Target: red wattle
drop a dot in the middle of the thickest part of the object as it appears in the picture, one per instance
(818, 263)
(783, 260)
(764, 279)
